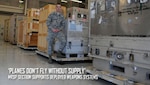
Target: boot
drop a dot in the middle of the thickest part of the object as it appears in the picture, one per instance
(60, 54)
(50, 61)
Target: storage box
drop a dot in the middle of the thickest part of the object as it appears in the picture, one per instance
(42, 43)
(14, 22)
(42, 37)
(25, 38)
(33, 12)
(32, 26)
(30, 39)
(6, 28)
(20, 32)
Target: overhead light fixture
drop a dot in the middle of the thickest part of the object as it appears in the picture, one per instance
(21, 1)
(65, 1)
(76, 1)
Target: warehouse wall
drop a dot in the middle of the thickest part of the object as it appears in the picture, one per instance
(41, 3)
(2, 19)
(10, 2)
(74, 4)
(33, 3)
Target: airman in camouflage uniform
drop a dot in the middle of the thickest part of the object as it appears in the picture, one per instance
(55, 24)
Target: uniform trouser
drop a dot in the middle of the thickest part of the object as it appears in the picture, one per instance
(51, 38)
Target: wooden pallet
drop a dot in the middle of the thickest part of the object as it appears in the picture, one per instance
(13, 43)
(60, 59)
(26, 48)
(42, 53)
(119, 80)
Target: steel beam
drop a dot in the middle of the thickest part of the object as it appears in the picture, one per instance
(12, 9)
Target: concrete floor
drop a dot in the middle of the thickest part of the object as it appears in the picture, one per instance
(13, 57)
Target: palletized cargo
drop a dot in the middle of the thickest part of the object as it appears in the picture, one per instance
(26, 37)
(32, 20)
(6, 28)
(42, 42)
(20, 33)
(33, 12)
(28, 29)
(14, 22)
(33, 25)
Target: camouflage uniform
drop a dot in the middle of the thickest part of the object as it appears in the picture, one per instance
(55, 21)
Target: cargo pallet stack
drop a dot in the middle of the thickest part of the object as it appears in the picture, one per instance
(42, 36)
(28, 30)
(14, 19)
(6, 28)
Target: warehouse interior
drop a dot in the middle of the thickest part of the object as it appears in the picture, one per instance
(109, 39)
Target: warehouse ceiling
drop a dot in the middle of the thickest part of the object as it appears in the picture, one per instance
(17, 7)
(9, 10)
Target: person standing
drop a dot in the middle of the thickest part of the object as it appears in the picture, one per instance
(56, 24)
